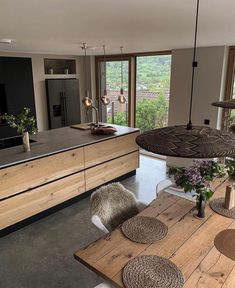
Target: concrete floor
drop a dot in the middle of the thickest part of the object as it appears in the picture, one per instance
(41, 254)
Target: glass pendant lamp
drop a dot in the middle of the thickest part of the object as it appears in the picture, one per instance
(121, 97)
(105, 98)
(87, 101)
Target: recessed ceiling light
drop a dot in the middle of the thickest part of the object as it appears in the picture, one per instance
(6, 41)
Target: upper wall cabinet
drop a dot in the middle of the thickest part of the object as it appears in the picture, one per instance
(60, 66)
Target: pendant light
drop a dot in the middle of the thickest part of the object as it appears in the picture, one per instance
(121, 97)
(227, 104)
(105, 98)
(87, 101)
(189, 141)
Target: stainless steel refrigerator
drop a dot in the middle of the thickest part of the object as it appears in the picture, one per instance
(63, 102)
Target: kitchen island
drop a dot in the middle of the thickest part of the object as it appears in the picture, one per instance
(62, 164)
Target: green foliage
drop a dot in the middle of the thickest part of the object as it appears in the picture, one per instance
(113, 75)
(153, 73)
(22, 122)
(198, 177)
(119, 119)
(230, 165)
(232, 116)
(217, 170)
(151, 113)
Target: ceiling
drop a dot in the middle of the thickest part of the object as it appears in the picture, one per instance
(60, 26)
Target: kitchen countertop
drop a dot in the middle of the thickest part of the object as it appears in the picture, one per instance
(55, 141)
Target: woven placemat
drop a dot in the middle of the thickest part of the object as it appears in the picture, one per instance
(145, 230)
(225, 243)
(218, 206)
(152, 271)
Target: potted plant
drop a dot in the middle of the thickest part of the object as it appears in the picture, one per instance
(25, 125)
(198, 178)
(230, 165)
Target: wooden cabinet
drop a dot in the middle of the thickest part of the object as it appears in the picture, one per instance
(110, 149)
(29, 188)
(25, 176)
(105, 172)
(24, 205)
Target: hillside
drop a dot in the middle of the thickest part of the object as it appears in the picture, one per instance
(153, 73)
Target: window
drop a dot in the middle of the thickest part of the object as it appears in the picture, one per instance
(115, 112)
(152, 91)
(147, 93)
(229, 115)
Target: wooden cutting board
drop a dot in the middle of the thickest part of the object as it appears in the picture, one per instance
(84, 126)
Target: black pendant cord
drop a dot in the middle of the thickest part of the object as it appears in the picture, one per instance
(194, 65)
(85, 69)
(121, 48)
(104, 74)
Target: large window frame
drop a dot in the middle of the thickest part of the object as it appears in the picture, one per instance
(132, 60)
(228, 91)
(110, 58)
(230, 74)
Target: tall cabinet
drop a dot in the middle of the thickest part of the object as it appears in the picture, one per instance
(63, 102)
(16, 89)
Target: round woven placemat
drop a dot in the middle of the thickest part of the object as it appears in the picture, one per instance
(145, 230)
(218, 206)
(225, 243)
(152, 271)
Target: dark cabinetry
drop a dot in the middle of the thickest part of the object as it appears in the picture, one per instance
(63, 102)
(16, 89)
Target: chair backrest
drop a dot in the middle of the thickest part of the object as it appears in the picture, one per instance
(113, 204)
(163, 185)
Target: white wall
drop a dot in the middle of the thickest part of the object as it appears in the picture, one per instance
(39, 82)
(209, 87)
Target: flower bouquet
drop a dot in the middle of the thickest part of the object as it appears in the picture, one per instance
(25, 125)
(198, 178)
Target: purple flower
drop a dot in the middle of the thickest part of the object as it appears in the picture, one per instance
(193, 176)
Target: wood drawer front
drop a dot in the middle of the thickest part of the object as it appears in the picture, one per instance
(110, 149)
(105, 172)
(29, 203)
(28, 175)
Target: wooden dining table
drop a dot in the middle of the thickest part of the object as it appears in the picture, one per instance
(189, 244)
